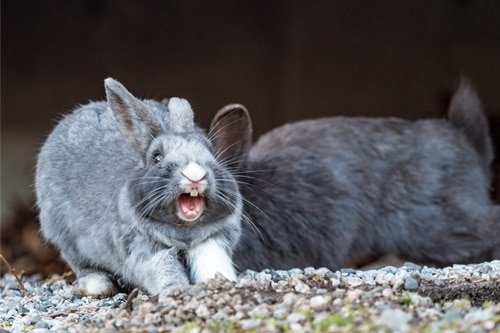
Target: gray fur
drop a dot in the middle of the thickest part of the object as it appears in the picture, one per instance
(110, 208)
(466, 113)
(322, 192)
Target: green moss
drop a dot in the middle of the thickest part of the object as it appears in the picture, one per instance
(487, 304)
(459, 304)
(222, 326)
(309, 314)
(405, 299)
(188, 326)
(333, 320)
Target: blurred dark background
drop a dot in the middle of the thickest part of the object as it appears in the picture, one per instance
(285, 60)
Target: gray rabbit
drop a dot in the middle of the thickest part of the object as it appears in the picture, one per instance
(322, 192)
(132, 190)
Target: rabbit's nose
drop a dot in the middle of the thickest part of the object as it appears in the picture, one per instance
(194, 172)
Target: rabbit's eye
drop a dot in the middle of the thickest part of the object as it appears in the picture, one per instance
(157, 157)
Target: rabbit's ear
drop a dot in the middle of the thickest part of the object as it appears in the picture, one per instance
(136, 123)
(231, 133)
(181, 115)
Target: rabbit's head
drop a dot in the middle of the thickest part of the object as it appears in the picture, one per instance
(184, 177)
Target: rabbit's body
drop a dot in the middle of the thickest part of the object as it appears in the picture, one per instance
(127, 188)
(134, 190)
(324, 191)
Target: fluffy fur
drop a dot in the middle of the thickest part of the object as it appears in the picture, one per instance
(321, 192)
(107, 183)
(313, 193)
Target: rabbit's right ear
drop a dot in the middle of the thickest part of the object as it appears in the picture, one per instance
(231, 134)
(136, 123)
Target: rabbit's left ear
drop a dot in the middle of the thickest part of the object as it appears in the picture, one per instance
(137, 124)
(231, 134)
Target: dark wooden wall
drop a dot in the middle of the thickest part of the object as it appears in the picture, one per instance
(285, 60)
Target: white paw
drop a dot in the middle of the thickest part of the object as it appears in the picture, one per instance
(208, 259)
(95, 285)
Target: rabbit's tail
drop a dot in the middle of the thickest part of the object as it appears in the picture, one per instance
(466, 113)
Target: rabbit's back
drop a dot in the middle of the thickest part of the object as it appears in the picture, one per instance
(372, 157)
(79, 174)
(367, 184)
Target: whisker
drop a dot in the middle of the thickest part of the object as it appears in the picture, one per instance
(244, 217)
(211, 135)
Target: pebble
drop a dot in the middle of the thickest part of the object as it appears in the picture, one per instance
(302, 288)
(202, 311)
(319, 302)
(249, 324)
(295, 317)
(353, 282)
(412, 266)
(387, 293)
(411, 284)
(395, 319)
(353, 295)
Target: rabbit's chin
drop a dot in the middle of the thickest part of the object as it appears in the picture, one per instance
(189, 207)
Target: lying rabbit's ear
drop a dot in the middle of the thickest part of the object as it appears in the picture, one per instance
(136, 123)
(231, 134)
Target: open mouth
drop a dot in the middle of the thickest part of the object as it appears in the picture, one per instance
(190, 206)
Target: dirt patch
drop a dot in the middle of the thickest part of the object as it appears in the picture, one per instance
(22, 246)
(476, 292)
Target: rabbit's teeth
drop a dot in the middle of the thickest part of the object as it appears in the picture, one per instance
(194, 192)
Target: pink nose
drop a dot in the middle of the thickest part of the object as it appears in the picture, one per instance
(194, 172)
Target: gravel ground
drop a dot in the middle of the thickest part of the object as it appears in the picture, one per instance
(411, 298)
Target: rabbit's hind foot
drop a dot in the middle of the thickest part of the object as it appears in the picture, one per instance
(95, 284)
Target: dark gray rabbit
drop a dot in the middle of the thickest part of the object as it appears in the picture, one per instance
(325, 191)
(131, 189)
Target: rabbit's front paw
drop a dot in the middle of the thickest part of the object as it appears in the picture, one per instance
(95, 285)
(208, 259)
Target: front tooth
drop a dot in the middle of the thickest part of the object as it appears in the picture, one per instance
(194, 193)
(186, 190)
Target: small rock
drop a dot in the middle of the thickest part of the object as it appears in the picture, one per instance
(202, 311)
(337, 302)
(485, 269)
(411, 284)
(302, 288)
(309, 270)
(412, 266)
(387, 293)
(489, 325)
(280, 313)
(262, 276)
(478, 315)
(22, 310)
(383, 278)
(249, 324)
(334, 282)
(395, 319)
(296, 327)
(39, 330)
(453, 315)
(319, 302)
(322, 271)
(289, 299)
(353, 282)
(295, 317)
(353, 295)
(348, 271)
